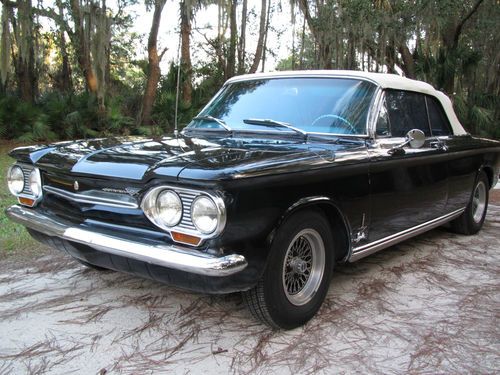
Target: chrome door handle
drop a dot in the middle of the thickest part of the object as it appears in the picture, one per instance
(438, 145)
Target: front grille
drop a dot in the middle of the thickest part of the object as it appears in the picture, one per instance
(92, 201)
(187, 199)
(116, 202)
(26, 171)
(67, 182)
(79, 212)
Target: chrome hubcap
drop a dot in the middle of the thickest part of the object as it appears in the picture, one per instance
(303, 267)
(479, 202)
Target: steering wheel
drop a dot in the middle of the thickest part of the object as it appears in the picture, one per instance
(349, 125)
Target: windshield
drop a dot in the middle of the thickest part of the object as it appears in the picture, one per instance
(313, 105)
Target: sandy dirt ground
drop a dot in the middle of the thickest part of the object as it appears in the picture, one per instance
(429, 305)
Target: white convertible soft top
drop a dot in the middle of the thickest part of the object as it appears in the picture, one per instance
(384, 80)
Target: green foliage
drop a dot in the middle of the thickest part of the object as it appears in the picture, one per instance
(453, 45)
(57, 116)
(339, 34)
(164, 108)
(76, 126)
(14, 239)
(116, 121)
(38, 130)
(20, 119)
(476, 114)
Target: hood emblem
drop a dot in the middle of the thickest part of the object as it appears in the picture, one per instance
(132, 191)
(76, 186)
(128, 190)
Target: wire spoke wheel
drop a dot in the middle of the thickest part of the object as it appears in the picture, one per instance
(298, 272)
(303, 267)
(479, 202)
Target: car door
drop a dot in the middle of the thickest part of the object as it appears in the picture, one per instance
(408, 186)
(462, 165)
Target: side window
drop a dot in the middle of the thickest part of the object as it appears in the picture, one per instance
(437, 117)
(383, 126)
(407, 111)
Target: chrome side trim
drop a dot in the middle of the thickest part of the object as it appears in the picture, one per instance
(164, 255)
(373, 247)
(371, 119)
(95, 197)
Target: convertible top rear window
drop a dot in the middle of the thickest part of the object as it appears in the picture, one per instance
(403, 111)
(320, 105)
(439, 121)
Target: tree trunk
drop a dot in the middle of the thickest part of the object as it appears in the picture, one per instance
(154, 71)
(325, 55)
(320, 36)
(352, 52)
(82, 47)
(233, 36)
(187, 88)
(100, 37)
(5, 49)
(26, 80)
(294, 24)
(221, 61)
(241, 45)
(408, 65)
(302, 42)
(25, 58)
(450, 39)
(260, 41)
(264, 47)
(65, 82)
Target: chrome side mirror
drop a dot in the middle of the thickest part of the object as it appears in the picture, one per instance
(415, 138)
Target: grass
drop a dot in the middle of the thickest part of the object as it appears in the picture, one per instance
(14, 239)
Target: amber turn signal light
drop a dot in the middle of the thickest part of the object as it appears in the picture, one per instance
(186, 238)
(26, 201)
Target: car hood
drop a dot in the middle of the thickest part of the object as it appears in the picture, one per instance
(135, 158)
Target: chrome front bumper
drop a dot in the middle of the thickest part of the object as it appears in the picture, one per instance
(170, 256)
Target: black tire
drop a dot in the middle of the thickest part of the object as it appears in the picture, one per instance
(471, 221)
(270, 301)
(88, 265)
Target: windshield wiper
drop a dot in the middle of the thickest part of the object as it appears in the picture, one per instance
(214, 119)
(274, 124)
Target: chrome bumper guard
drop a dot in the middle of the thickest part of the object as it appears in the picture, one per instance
(170, 256)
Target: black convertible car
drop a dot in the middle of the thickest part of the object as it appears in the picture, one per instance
(279, 177)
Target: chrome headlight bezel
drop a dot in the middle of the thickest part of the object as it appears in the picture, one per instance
(29, 191)
(16, 186)
(174, 199)
(209, 205)
(151, 209)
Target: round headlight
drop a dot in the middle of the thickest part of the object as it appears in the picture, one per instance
(15, 180)
(35, 183)
(204, 214)
(168, 208)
